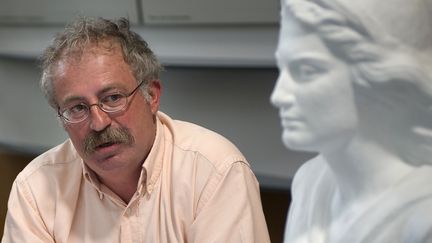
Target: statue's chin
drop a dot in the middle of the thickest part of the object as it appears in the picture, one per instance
(295, 140)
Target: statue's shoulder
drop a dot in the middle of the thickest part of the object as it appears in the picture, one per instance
(418, 227)
(313, 172)
(314, 166)
(417, 206)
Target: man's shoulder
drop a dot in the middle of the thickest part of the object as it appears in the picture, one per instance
(57, 158)
(190, 137)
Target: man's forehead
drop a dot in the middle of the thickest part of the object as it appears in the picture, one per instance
(75, 58)
(75, 53)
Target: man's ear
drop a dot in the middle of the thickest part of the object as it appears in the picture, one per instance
(154, 91)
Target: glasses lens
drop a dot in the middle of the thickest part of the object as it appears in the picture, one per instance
(109, 103)
(113, 102)
(76, 113)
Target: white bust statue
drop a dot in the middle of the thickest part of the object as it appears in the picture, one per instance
(355, 85)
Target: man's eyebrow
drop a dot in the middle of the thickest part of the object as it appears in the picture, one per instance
(71, 99)
(74, 98)
(111, 88)
(106, 89)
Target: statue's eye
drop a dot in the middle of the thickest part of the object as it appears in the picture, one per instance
(305, 70)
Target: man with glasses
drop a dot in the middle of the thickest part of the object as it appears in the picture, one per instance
(128, 173)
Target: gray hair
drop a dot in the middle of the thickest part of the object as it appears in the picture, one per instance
(86, 31)
(379, 63)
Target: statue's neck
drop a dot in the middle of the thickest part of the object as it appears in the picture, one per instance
(364, 169)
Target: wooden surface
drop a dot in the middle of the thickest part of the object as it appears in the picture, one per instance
(10, 165)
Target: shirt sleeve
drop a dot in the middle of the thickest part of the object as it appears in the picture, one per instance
(233, 212)
(23, 222)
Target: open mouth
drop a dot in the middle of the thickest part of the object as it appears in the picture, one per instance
(104, 145)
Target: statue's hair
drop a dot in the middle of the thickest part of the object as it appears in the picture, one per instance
(85, 32)
(378, 62)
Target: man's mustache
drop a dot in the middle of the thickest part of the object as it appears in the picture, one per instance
(107, 136)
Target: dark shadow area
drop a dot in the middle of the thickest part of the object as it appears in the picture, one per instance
(275, 205)
(10, 165)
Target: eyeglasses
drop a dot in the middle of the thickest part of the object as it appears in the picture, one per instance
(109, 103)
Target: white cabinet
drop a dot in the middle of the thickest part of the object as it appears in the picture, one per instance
(142, 12)
(210, 11)
(36, 12)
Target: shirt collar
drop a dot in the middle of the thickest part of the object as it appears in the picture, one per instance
(92, 178)
(152, 166)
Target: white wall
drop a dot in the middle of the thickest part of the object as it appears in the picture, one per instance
(231, 101)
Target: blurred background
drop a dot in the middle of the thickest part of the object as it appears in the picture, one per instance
(220, 72)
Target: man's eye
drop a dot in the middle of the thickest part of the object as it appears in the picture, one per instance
(305, 71)
(77, 109)
(112, 99)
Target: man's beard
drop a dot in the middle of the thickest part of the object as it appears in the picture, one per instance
(106, 137)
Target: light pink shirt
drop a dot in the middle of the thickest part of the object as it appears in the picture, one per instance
(195, 187)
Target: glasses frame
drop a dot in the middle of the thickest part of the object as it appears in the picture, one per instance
(99, 104)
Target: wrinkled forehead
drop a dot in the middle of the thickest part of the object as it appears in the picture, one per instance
(93, 48)
(74, 56)
(78, 58)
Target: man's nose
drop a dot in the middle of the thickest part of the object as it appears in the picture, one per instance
(99, 119)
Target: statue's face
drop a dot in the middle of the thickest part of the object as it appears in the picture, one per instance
(313, 92)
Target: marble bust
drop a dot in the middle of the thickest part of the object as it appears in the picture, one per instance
(355, 85)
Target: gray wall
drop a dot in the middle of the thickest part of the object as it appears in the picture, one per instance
(230, 101)
(26, 120)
